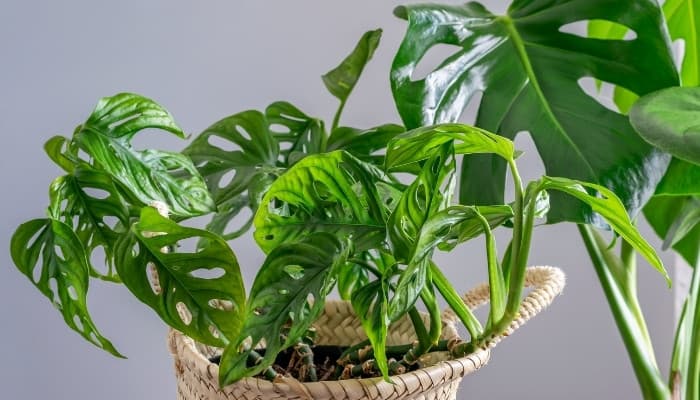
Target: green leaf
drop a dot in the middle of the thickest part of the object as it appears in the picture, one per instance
(289, 292)
(663, 212)
(683, 20)
(342, 79)
(198, 293)
(669, 119)
(685, 364)
(59, 150)
(332, 192)
(144, 176)
(608, 206)
(53, 258)
(365, 144)
(90, 204)
(243, 145)
(528, 72)
(350, 278)
(305, 135)
(371, 306)
(429, 193)
(421, 143)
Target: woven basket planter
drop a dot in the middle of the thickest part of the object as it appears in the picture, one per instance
(197, 377)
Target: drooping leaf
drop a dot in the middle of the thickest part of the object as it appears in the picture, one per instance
(528, 72)
(305, 135)
(342, 79)
(58, 149)
(429, 193)
(90, 204)
(662, 212)
(144, 176)
(332, 192)
(421, 143)
(371, 305)
(608, 206)
(198, 293)
(670, 120)
(288, 293)
(53, 258)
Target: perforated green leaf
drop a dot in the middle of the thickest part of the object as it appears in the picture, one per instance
(52, 257)
(199, 293)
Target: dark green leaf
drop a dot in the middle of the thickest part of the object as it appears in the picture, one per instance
(608, 206)
(198, 293)
(289, 292)
(429, 193)
(90, 204)
(528, 72)
(125, 114)
(365, 144)
(350, 278)
(332, 192)
(662, 212)
(59, 150)
(342, 79)
(144, 176)
(670, 120)
(305, 135)
(371, 306)
(421, 143)
(52, 257)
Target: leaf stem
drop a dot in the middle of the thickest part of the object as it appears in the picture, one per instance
(336, 117)
(454, 300)
(648, 375)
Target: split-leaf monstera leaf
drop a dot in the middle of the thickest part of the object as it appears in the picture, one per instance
(528, 71)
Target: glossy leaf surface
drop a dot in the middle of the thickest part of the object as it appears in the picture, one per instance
(198, 293)
(90, 204)
(288, 294)
(332, 192)
(371, 305)
(53, 258)
(670, 120)
(421, 143)
(145, 176)
(528, 72)
(608, 206)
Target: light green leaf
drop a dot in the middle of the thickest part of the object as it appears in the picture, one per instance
(332, 192)
(421, 143)
(305, 135)
(608, 206)
(371, 306)
(53, 258)
(198, 293)
(289, 292)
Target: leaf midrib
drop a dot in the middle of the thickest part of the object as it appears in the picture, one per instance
(519, 44)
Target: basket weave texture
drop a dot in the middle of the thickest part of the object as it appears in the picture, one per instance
(197, 378)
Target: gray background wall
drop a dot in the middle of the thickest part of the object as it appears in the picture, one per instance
(204, 60)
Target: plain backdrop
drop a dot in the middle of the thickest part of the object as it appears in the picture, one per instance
(204, 60)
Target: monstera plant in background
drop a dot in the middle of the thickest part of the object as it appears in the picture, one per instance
(530, 68)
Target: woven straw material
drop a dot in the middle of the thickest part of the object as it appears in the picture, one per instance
(197, 378)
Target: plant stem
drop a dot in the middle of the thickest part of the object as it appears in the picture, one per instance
(336, 118)
(685, 365)
(454, 300)
(643, 363)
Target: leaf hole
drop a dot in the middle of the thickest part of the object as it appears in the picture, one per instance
(243, 132)
(437, 57)
(295, 272)
(187, 245)
(123, 121)
(59, 253)
(322, 191)
(678, 47)
(602, 94)
(220, 304)
(96, 193)
(221, 143)
(214, 332)
(421, 197)
(580, 28)
(226, 178)
(153, 278)
(55, 298)
(78, 322)
(279, 129)
(184, 313)
(208, 273)
(73, 293)
(111, 222)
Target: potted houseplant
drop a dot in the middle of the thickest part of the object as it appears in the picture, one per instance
(548, 55)
(329, 210)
